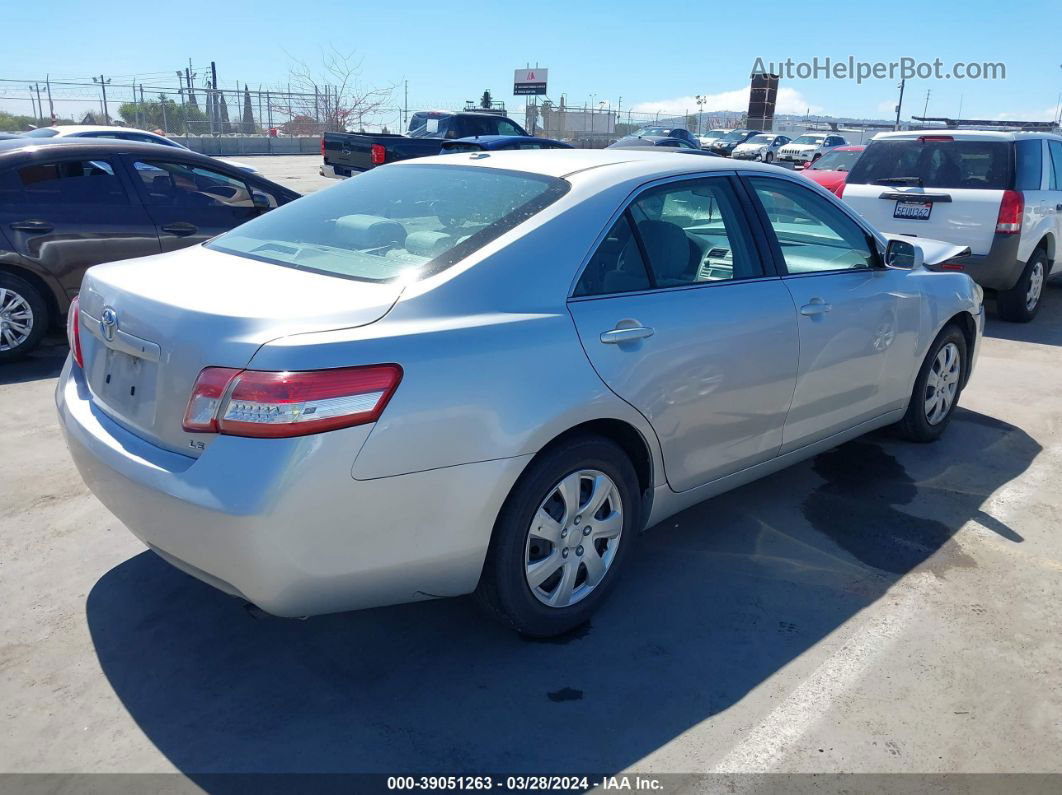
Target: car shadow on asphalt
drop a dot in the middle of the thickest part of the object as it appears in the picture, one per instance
(45, 362)
(1044, 329)
(715, 601)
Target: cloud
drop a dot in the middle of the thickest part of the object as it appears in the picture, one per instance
(887, 106)
(789, 101)
(1047, 114)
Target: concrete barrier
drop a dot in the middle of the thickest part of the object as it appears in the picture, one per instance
(251, 144)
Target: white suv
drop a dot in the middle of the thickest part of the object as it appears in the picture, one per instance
(809, 147)
(1000, 193)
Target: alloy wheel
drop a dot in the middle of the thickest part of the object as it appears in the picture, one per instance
(1036, 286)
(943, 383)
(573, 538)
(16, 319)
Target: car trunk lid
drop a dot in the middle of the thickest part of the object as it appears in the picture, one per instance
(149, 326)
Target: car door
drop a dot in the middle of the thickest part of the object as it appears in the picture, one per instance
(681, 315)
(190, 202)
(64, 214)
(858, 321)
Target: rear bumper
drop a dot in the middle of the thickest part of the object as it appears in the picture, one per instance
(281, 522)
(329, 171)
(1000, 268)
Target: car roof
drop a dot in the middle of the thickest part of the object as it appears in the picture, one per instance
(77, 128)
(649, 162)
(11, 145)
(966, 135)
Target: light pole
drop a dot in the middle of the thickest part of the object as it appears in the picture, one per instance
(700, 111)
(102, 83)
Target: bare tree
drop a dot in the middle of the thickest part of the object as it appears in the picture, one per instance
(332, 94)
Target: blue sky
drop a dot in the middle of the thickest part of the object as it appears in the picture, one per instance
(652, 58)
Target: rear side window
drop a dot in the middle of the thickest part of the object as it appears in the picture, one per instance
(935, 164)
(1055, 148)
(71, 182)
(398, 221)
(1029, 164)
(617, 266)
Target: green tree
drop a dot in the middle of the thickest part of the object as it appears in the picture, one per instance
(248, 111)
(163, 114)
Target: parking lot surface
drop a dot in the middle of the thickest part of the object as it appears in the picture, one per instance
(883, 607)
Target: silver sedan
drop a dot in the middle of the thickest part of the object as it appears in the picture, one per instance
(488, 372)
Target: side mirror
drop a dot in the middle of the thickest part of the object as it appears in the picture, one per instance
(903, 254)
(261, 202)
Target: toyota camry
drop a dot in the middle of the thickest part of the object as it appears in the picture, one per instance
(488, 372)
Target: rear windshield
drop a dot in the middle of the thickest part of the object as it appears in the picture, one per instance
(402, 221)
(935, 164)
(836, 161)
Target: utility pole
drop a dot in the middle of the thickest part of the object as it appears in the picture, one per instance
(143, 105)
(405, 107)
(33, 104)
(925, 110)
(214, 96)
(102, 82)
(899, 105)
(40, 105)
(180, 83)
(51, 107)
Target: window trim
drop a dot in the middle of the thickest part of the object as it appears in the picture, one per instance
(874, 239)
(745, 210)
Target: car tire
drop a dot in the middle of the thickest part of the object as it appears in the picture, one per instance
(1021, 302)
(933, 399)
(23, 317)
(521, 538)
(768, 158)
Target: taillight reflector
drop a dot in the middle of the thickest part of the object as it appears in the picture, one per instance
(377, 154)
(275, 404)
(73, 331)
(1011, 209)
(952, 266)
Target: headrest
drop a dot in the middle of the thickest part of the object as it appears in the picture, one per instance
(428, 244)
(369, 231)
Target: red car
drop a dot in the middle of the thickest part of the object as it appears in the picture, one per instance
(831, 170)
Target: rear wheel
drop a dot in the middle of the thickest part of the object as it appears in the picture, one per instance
(1021, 302)
(562, 537)
(769, 157)
(937, 388)
(23, 317)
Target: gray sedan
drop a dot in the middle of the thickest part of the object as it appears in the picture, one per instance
(488, 372)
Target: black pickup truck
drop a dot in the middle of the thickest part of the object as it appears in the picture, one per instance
(352, 153)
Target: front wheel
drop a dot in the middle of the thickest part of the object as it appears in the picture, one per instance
(768, 158)
(561, 538)
(23, 317)
(937, 388)
(1021, 302)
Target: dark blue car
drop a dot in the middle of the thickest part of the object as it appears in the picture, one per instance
(493, 143)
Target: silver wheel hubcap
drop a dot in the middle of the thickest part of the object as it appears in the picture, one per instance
(1036, 286)
(943, 383)
(16, 319)
(573, 538)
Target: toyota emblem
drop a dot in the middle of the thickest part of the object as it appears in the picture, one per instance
(108, 323)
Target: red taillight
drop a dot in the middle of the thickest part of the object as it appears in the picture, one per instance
(73, 331)
(925, 138)
(952, 266)
(840, 190)
(378, 154)
(1011, 209)
(275, 404)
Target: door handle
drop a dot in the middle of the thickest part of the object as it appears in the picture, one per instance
(32, 226)
(815, 308)
(180, 228)
(618, 335)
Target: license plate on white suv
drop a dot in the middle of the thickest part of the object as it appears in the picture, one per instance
(912, 210)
